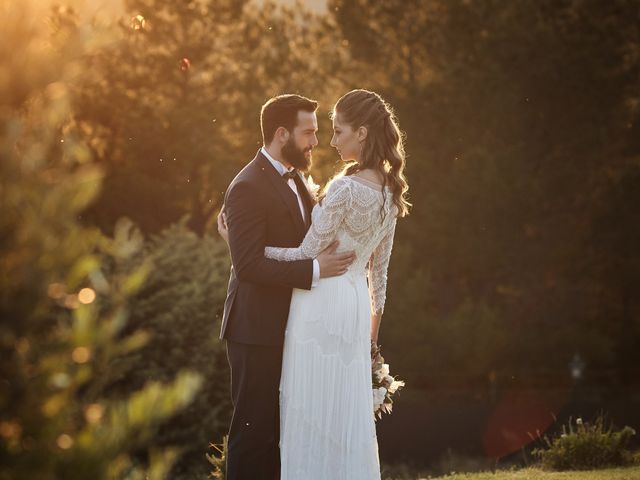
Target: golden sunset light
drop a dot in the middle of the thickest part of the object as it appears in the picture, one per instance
(319, 240)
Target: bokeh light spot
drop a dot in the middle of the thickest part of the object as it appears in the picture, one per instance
(10, 429)
(86, 296)
(93, 413)
(64, 441)
(81, 354)
(60, 380)
(56, 290)
(71, 301)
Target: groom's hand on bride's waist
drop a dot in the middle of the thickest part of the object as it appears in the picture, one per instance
(333, 264)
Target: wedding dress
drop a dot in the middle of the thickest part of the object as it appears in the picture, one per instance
(327, 429)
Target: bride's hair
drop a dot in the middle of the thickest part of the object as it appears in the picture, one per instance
(383, 147)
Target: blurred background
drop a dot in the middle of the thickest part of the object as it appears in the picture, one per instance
(514, 285)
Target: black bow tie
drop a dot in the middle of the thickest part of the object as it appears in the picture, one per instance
(290, 175)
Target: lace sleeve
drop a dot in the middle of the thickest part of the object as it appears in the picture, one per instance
(323, 228)
(378, 266)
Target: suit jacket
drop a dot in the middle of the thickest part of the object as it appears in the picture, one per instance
(262, 210)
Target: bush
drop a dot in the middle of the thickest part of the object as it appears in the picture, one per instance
(587, 446)
(180, 306)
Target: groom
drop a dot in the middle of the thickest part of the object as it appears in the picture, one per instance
(267, 204)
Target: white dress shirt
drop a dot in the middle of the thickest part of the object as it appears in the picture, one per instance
(281, 169)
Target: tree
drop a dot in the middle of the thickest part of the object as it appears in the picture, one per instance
(514, 114)
(61, 316)
(180, 305)
(175, 102)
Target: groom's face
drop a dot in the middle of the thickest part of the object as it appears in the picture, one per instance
(297, 150)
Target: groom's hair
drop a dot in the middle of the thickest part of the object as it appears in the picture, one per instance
(282, 111)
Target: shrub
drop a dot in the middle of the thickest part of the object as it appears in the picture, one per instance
(587, 446)
(180, 306)
(219, 459)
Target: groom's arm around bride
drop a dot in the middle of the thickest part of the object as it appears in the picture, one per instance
(264, 207)
(251, 270)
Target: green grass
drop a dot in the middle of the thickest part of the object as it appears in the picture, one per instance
(632, 473)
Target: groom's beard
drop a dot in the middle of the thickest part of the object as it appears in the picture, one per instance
(295, 156)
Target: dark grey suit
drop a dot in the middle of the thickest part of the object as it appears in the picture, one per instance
(261, 210)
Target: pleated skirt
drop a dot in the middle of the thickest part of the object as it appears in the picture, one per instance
(327, 428)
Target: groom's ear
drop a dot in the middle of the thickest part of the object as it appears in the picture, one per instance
(282, 135)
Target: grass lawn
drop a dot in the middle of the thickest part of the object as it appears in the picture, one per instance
(632, 473)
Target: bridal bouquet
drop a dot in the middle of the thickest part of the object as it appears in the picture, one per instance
(384, 385)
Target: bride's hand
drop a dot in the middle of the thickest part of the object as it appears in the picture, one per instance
(375, 349)
(223, 228)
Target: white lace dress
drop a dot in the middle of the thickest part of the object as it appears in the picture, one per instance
(327, 428)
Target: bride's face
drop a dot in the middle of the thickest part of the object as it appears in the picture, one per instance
(345, 140)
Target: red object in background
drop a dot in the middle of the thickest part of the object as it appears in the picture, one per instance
(520, 417)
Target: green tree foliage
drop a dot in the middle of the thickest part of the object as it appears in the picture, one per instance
(170, 111)
(613, 250)
(61, 316)
(516, 114)
(175, 102)
(180, 303)
(522, 133)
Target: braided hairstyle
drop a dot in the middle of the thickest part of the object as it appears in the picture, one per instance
(383, 148)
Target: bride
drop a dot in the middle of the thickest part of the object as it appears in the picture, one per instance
(326, 408)
(327, 428)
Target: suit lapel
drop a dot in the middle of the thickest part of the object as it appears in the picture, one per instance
(284, 191)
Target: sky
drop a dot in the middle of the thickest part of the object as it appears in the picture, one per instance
(110, 7)
(317, 5)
